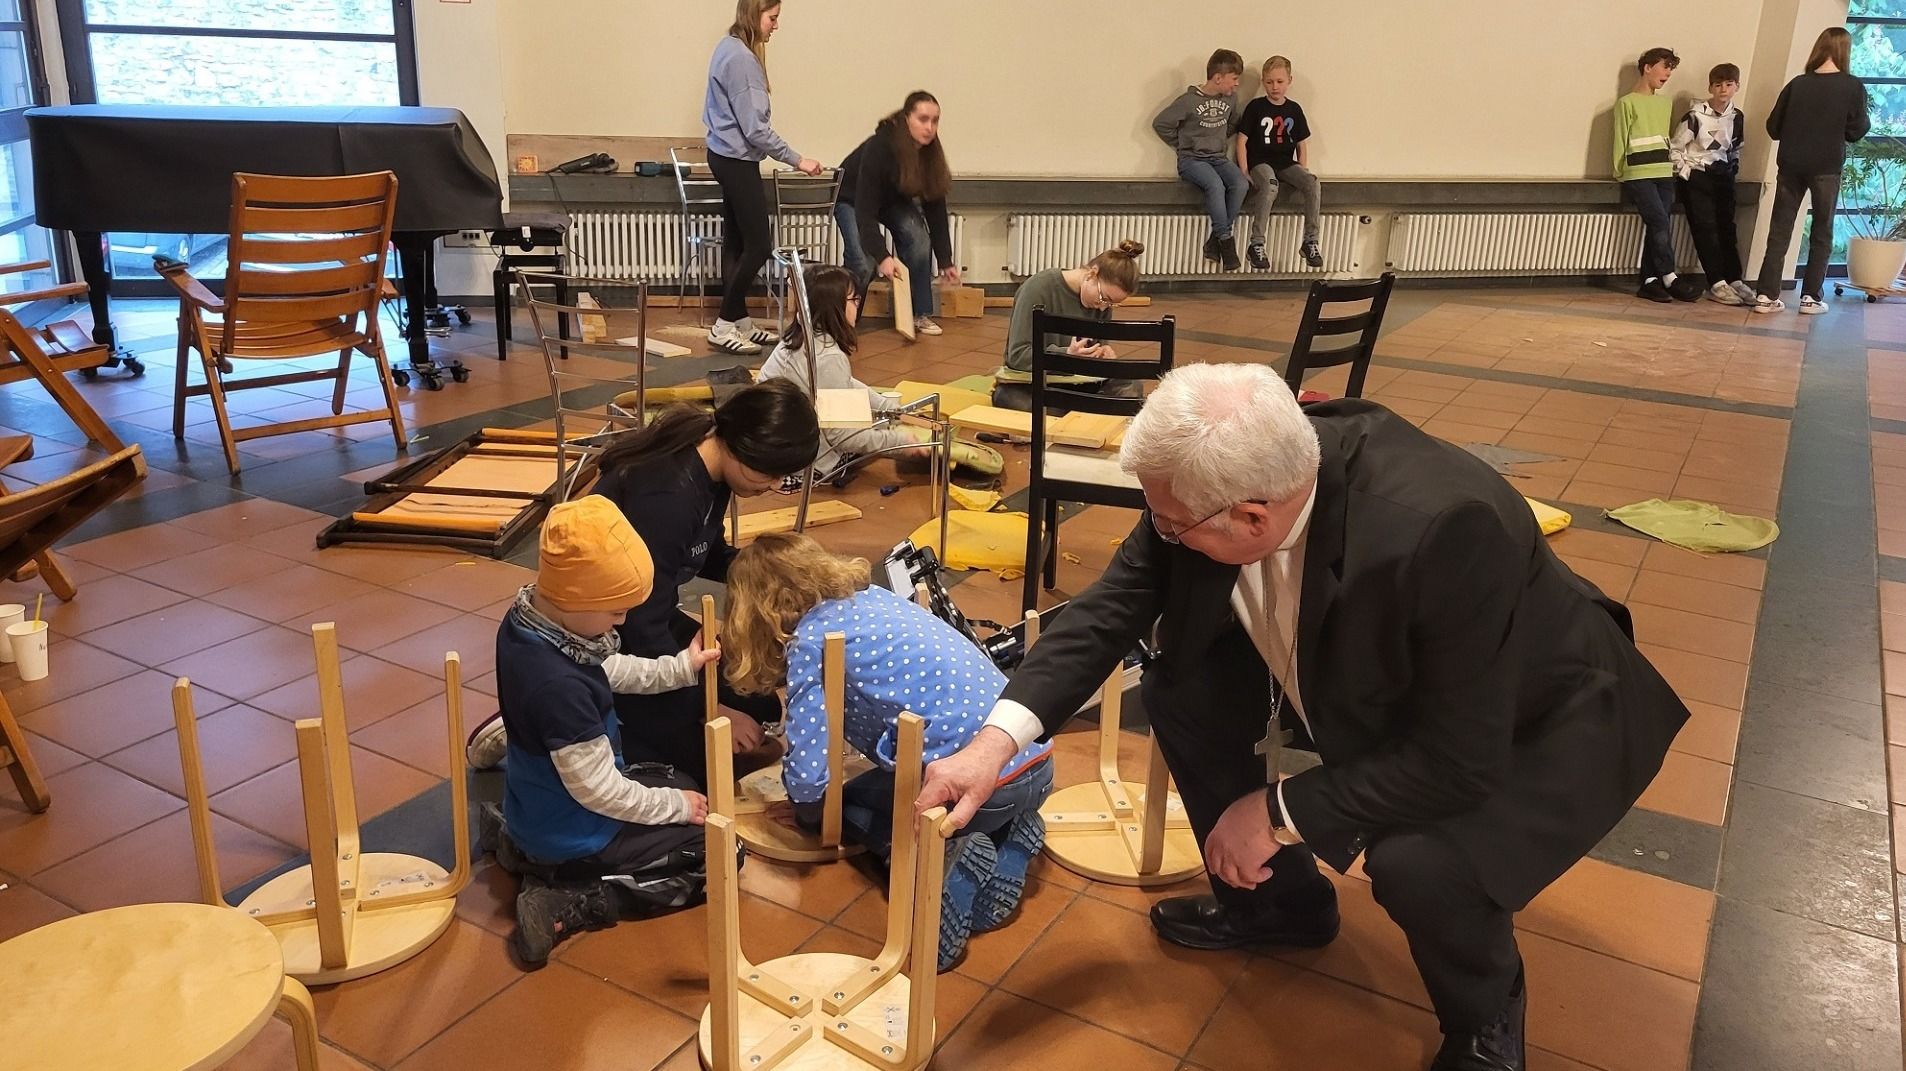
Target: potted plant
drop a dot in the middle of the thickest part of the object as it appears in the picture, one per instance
(1875, 184)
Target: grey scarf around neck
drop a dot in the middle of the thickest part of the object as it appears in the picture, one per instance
(584, 650)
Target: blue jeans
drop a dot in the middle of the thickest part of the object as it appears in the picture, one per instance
(1654, 200)
(867, 806)
(1223, 186)
(912, 245)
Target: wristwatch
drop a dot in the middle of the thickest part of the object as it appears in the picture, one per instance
(1280, 832)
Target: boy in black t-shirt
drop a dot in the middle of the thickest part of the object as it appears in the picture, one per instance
(1272, 152)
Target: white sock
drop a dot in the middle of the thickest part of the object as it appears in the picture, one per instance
(723, 327)
(745, 325)
(1651, 279)
(1669, 278)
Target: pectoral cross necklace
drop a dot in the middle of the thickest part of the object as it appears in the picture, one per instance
(1275, 738)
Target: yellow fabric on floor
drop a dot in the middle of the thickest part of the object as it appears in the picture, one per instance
(1550, 519)
(981, 501)
(1701, 526)
(993, 541)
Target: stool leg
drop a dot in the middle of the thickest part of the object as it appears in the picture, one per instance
(294, 1004)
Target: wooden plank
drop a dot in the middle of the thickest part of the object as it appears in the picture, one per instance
(952, 399)
(1094, 431)
(834, 692)
(782, 520)
(1089, 434)
(655, 347)
(847, 407)
(902, 302)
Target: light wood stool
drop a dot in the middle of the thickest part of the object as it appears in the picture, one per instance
(164, 987)
(824, 1011)
(349, 913)
(763, 788)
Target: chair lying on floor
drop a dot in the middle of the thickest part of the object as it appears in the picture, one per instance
(36, 518)
(305, 268)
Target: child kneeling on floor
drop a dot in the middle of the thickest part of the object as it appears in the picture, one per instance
(592, 842)
(785, 594)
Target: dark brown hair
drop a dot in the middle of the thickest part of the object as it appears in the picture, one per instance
(1835, 44)
(829, 289)
(1120, 266)
(919, 170)
(1723, 72)
(1654, 56)
(769, 427)
(1223, 61)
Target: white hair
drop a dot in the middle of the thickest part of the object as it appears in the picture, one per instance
(1220, 434)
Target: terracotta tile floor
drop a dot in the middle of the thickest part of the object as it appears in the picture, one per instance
(224, 596)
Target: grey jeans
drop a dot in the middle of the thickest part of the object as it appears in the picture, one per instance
(1264, 186)
(1824, 193)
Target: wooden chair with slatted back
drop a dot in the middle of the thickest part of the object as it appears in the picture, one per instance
(48, 353)
(306, 266)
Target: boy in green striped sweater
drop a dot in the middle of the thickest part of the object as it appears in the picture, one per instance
(1645, 170)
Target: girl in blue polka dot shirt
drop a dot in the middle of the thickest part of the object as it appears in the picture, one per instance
(785, 594)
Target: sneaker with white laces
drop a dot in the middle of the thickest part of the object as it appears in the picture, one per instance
(731, 340)
(1763, 303)
(488, 743)
(1812, 306)
(923, 325)
(1748, 294)
(1724, 294)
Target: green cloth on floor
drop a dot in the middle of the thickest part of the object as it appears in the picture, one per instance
(1700, 526)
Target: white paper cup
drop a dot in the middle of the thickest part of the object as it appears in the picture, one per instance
(28, 641)
(11, 613)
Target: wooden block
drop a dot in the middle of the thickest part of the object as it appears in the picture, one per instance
(1136, 302)
(1089, 433)
(655, 347)
(1095, 431)
(782, 520)
(999, 302)
(903, 311)
(952, 399)
(879, 300)
(992, 418)
(594, 328)
(847, 407)
(962, 301)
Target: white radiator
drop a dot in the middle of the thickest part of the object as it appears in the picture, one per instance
(1524, 243)
(648, 245)
(1174, 244)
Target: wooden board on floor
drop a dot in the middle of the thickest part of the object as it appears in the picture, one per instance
(782, 520)
(952, 399)
(902, 303)
(847, 407)
(655, 347)
(1090, 431)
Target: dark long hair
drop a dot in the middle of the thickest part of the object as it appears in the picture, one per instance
(919, 170)
(829, 289)
(769, 427)
(1834, 43)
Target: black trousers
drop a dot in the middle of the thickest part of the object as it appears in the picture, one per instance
(1823, 191)
(1708, 199)
(667, 728)
(1461, 940)
(747, 240)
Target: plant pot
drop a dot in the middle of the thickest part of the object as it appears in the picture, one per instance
(1872, 264)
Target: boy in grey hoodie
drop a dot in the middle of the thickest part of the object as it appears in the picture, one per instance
(1198, 126)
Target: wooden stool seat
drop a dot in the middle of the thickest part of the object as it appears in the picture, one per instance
(883, 1014)
(169, 987)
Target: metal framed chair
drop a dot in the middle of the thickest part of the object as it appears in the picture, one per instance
(1349, 339)
(561, 328)
(1062, 474)
(803, 224)
(700, 199)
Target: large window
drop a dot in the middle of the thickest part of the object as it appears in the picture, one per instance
(1879, 60)
(21, 86)
(230, 52)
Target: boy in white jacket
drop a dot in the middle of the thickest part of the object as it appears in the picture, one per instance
(1706, 150)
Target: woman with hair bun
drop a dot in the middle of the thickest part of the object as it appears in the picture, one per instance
(1090, 292)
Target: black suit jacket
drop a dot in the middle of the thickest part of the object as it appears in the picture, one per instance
(1454, 672)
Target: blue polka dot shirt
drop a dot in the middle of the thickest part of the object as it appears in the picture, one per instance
(899, 658)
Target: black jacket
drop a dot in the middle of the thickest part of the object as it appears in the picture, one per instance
(1456, 674)
(1815, 119)
(678, 510)
(869, 178)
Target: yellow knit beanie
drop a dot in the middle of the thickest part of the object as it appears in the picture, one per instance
(591, 559)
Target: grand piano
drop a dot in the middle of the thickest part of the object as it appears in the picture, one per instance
(100, 168)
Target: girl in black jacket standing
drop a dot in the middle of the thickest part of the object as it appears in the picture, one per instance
(898, 178)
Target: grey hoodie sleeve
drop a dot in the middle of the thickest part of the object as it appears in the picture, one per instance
(1168, 121)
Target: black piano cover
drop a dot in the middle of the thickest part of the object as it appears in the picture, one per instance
(164, 168)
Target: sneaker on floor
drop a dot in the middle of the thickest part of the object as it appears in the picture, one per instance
(1228, 252)
(1685, 289)
(547, 915)
(970, 862)
(1812, 306)
(1313, 256)
(1655, 290)
(1723, 293)
(1747, 293)
(1255, 255)
(760, 336)
(1763, 303)
(731, 340)
(487, 744)
(924, 326)
(999, 897)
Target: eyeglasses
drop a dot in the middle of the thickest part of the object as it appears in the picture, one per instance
(1101, 301)
(1173, 534)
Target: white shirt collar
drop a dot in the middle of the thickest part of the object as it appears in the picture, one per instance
(1302, 527)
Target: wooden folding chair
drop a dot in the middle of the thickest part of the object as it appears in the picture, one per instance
(18, 761)
(36, 518)
(305, 268)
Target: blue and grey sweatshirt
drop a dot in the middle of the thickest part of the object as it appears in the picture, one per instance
(736, 110)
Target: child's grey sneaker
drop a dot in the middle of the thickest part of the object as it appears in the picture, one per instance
(1768, 304)
(1723, 293)
(1748, 294)
(487, 745)
(1812, 306)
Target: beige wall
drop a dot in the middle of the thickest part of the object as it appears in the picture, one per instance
(1394, 88)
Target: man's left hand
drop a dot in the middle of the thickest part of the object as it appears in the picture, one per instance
(1240, 845)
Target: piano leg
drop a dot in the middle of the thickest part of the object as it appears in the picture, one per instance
(413, 252)
(97, 271)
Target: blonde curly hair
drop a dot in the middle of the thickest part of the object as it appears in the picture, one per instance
(772, 583)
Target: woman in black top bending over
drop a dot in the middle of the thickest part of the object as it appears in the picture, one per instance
(672, 480)
(898, 178)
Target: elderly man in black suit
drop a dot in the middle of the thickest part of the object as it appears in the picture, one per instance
(1482, 713)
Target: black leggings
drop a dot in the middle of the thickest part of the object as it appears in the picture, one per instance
(667, 728)
(746, 238)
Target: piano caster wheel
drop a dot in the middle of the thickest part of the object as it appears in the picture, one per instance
(134, 366)
(89, 374)
(459, 373)
(398, 376)
(432, 380)
(463, 317)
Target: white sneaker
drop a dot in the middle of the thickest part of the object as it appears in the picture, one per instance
(1768, 304)
(1749, 295)
(731, 340)
(1723, 293)
(1812, 306)
(760, 336)
(487, 744)
(924, 326)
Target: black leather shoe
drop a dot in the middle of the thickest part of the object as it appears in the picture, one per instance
(1201, 922)
(1686, 289)
(1498, 1047)
(1655, 290)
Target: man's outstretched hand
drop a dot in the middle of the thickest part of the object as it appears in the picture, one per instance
(966, 779)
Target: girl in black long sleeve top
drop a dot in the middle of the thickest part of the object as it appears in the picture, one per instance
(898, 178)
(673, 480)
